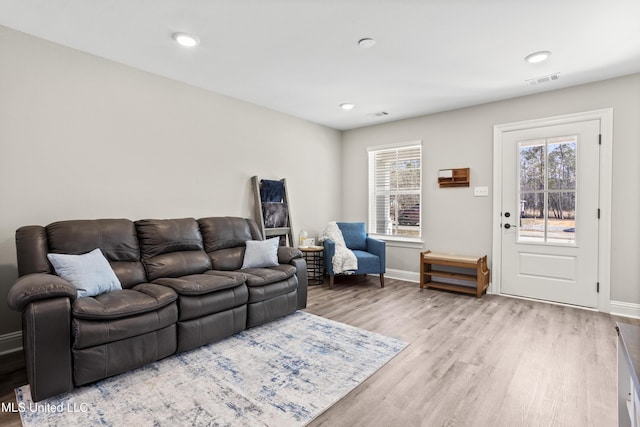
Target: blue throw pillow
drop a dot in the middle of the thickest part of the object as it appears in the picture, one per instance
(261, 253)
(90, 273)
(355, 235)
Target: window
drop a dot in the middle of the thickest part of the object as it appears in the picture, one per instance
(548, 190)
(395, 190)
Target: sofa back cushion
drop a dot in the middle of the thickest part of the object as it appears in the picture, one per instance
(355, 235)
(229, 259)
(225, 240)
(171, 247)
(32, 247)
(116, 238)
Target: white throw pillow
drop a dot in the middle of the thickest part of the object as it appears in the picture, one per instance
(90, 273)
(261, 253)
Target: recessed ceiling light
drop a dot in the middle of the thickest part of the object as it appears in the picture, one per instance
(185, 39)
(366, 42)
(536, 57)
(347, 106)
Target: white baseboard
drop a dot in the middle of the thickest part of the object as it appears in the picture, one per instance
(626, 309)
(10, 342)
(409, 276)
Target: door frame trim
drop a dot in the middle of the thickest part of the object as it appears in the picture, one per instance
(606, 168)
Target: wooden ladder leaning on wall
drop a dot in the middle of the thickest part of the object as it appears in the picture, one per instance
(285, 232)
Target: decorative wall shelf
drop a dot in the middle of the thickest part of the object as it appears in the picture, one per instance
(453, 177)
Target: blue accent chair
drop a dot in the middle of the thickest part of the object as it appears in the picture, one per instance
(370, 252)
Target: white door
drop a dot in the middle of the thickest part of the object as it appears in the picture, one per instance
(550, 179)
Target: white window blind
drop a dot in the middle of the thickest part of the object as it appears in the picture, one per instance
(395, 190)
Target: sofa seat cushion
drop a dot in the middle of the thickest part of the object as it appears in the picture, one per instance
(234, 274)
(199, 284)
(90, 333)
(198, 306)
(265, 276)
(142, 298)
(273, 290)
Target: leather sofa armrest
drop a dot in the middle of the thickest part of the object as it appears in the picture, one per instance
(287, 254)
(46, 335)
(329, 252)
(303, 282)
(39, 286)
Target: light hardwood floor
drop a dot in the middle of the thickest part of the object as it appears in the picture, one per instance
(12, 375)
(494, 361)
(470, 362)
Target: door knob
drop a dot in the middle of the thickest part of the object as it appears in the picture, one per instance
(508, 226)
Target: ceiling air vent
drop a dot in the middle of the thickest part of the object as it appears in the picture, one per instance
(543, 79)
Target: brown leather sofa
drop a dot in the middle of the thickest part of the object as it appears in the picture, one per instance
(182, 287)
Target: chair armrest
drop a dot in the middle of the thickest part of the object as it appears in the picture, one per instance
(39, 286)
(287, 254)
(378, 247)
(375, 246)
(329, 252)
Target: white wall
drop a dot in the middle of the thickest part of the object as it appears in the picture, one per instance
(455, 221)
(82, 137)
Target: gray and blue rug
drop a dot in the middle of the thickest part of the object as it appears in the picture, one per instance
(283, 373)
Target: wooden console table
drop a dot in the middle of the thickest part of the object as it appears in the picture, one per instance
(480, 276)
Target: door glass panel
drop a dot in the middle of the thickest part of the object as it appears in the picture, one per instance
(532, 165)
(531, 227)
(547, 189)
(561, 162)
(561, 217)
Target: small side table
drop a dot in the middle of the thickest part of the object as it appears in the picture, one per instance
(314, 256)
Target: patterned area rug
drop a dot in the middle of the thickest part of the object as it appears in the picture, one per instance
(283, 373)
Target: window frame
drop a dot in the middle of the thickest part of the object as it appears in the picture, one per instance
(373, 193)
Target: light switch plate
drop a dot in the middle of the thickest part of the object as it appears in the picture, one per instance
(481, 191)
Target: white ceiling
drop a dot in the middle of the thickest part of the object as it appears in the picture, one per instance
(301, 57)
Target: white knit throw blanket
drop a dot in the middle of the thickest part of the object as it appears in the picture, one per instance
(344, 259)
